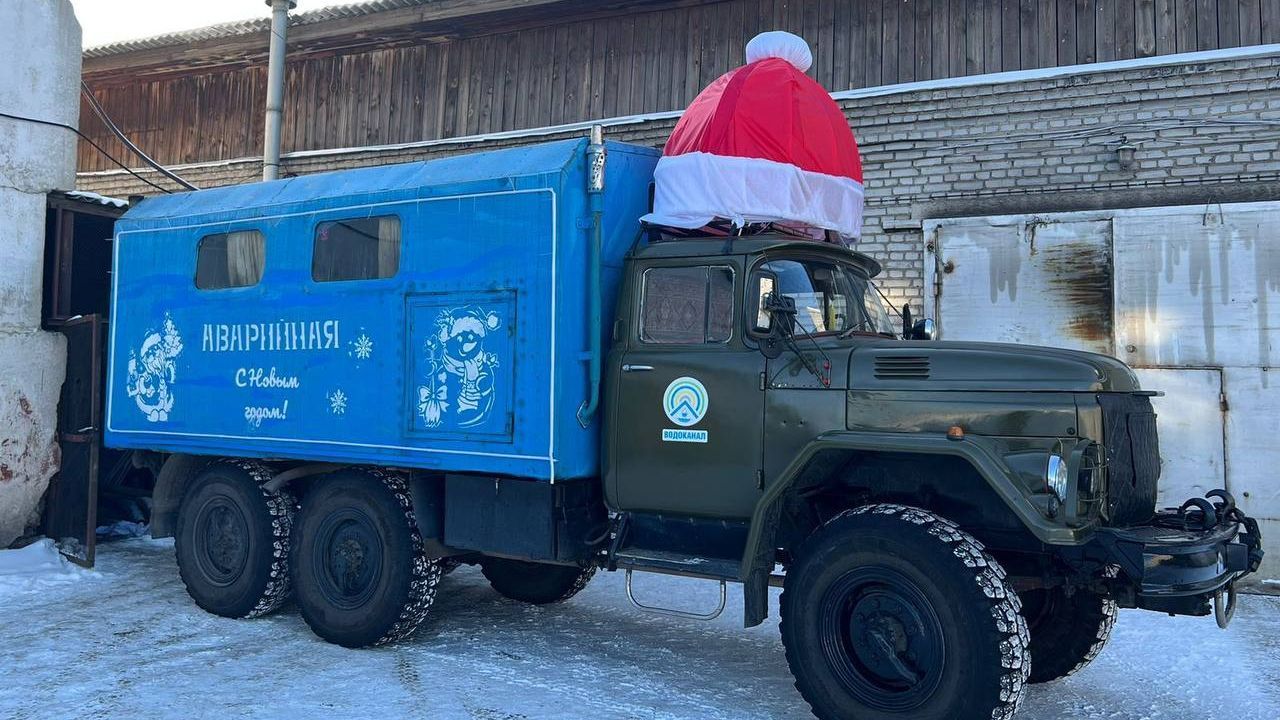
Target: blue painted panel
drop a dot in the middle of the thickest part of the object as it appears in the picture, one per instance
(471, 358)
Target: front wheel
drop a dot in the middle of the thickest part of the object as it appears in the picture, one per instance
(893, 612)
(1067, 630)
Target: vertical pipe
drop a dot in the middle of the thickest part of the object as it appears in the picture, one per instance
(595, 195)
(275, 87)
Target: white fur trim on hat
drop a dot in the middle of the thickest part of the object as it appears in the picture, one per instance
(692, 189)
(780, 44)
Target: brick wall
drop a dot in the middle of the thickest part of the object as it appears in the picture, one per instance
(1206, 131)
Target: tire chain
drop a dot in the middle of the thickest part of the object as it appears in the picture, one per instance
(992, 579)
(426, 571)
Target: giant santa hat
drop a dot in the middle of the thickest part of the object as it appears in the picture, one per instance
(763, 143)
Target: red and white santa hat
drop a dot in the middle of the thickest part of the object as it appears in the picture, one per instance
(763, 143)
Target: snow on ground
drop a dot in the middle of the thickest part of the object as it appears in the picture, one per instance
(38, 566)
(131, 644)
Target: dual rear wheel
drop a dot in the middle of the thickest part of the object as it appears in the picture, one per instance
(351, 555)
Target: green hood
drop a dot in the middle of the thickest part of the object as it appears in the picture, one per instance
(940, 365)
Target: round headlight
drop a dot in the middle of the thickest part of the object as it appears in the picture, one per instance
(1057, 476)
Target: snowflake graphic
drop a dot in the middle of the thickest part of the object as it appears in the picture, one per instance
(337, 402)
(363, 347)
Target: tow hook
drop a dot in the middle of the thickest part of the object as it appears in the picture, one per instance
(1224, 605)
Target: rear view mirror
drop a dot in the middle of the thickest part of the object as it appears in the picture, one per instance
(763, 288)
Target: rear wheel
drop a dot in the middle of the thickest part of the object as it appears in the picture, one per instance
(1067, 630)
(893, 612)
(232, 541)
(535, 583)
(361, 574)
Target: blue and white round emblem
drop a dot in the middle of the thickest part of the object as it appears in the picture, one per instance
(685, 401)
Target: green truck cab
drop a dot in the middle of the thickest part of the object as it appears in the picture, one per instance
(804, 437)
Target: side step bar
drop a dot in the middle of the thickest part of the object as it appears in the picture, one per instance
(688, 615)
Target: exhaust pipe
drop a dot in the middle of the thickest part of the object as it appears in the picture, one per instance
(275, 87)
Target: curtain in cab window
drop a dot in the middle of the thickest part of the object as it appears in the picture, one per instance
(689, 305)
(229, 260)
(356, 249)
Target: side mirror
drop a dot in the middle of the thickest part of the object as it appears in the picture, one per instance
(924, 330)
(763, 288)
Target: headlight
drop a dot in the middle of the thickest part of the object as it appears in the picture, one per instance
(1057, 476)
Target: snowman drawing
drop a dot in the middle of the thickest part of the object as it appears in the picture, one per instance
(152, 371)
(460, 384)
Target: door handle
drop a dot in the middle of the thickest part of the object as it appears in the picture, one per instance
(637, 368)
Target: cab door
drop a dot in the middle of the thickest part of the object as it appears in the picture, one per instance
(688, 404)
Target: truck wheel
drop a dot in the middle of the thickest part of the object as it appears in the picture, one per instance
(535, 583)
(361, 573)
(1067, 631)
(893, 612)
(232, 541)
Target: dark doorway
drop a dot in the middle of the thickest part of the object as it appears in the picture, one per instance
(95, 486)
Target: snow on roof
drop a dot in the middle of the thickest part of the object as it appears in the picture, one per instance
(247, 27)
(96, 199)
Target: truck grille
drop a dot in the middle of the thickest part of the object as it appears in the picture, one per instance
(1133, 457)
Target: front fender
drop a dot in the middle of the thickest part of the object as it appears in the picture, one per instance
(979, 451)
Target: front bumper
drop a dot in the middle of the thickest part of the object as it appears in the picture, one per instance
(1184, 559)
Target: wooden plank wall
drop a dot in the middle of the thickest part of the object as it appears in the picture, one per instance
(638, 62)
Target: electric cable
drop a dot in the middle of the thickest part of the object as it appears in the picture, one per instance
(87, 139)
(106, 120)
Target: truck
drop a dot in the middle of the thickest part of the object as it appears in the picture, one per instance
(350, 383)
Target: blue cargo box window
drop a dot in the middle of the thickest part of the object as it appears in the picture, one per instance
(356, 249)
(230, 260)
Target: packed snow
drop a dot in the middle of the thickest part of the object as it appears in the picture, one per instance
(36, 567)
(130, 643)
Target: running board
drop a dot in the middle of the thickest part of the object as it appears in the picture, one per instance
(672, 612)
(678, 564)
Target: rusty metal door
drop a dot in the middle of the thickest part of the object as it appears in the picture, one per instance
(70, 515)
(1188, 296)
(1024, 280)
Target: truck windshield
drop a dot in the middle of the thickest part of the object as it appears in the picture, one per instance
(831, 297)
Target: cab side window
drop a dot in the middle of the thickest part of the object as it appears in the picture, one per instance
(356, 249)
(230, 260)
(687, 305)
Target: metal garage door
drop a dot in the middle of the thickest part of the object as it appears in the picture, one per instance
(1188, 296)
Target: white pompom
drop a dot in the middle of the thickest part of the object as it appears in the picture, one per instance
(780, 44)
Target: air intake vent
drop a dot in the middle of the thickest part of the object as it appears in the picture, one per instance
(902, 367)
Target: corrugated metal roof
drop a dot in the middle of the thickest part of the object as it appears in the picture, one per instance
(247, 27)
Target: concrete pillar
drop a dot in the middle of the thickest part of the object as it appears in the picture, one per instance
(41, 79)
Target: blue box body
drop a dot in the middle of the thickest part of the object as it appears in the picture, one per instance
(494, 244)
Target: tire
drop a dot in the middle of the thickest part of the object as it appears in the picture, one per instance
(360, 570)
(1067, 630)
(893, 612)
(232, 542)
(535, 583)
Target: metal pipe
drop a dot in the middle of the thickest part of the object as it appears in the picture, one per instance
(275, 87)
(595, 194)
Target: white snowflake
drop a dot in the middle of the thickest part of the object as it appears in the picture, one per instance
(337, 402)
(363, 347)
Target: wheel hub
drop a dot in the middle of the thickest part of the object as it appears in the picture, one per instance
(348, 559)
(223, 537)
(882, 638)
